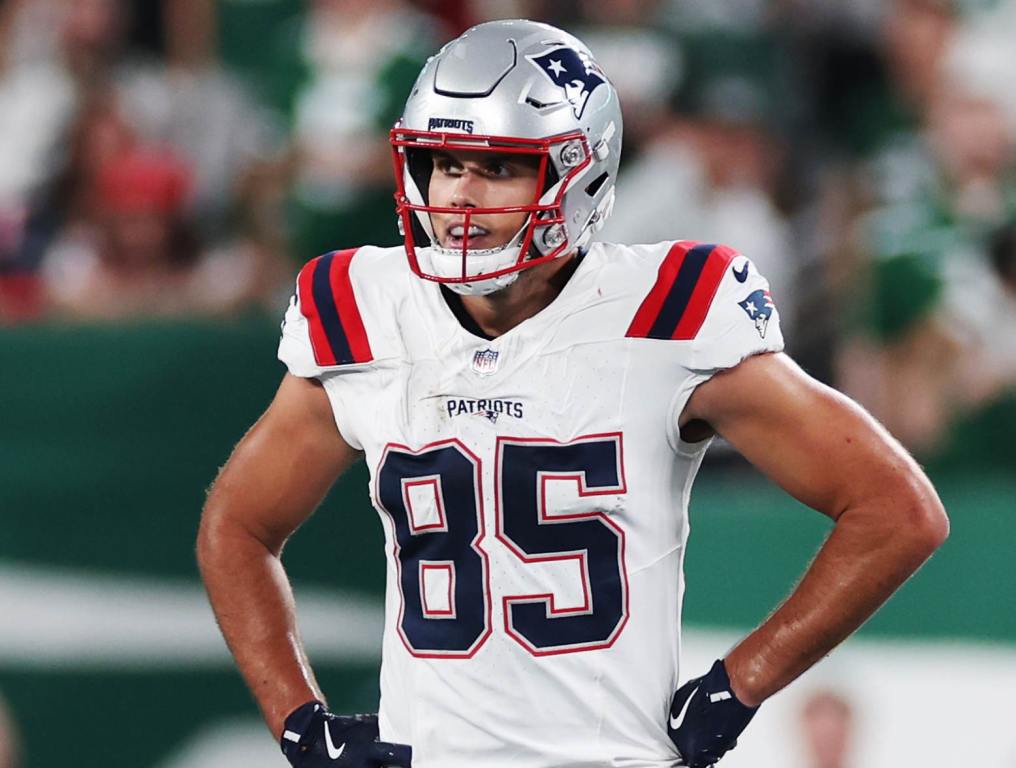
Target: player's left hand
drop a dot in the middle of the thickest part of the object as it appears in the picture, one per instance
(315, 738)
(706, 718)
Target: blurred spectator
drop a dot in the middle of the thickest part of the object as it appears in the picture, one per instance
(98, 135)
(9, 746)
(643, 61)
(111, 101)
(916, 35)
(35, 104)
(709, 171)
(455, 15)
(980, 299)
(127, 255)
(92, 40)
(873, 67)
(560, 13)
(984, 58)
(937, 199)
(361, 58)
(827, 729)
(135, 253)
(189, 102)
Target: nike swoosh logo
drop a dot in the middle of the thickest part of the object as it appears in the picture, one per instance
(333, 753)
(741, 275)
(675, 722)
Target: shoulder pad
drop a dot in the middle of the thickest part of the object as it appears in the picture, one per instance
(327, 301)
(679, 301)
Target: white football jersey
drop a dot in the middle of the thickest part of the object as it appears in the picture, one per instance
(533, 491)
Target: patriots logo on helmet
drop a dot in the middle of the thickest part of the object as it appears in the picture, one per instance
(759, 307)
(573, 71)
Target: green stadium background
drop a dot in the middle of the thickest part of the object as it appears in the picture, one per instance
(109, 655)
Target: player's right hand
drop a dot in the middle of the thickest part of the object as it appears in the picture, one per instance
(315, 738)
(706, 718)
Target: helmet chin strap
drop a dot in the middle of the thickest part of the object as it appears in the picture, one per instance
(447, 262)
(483, 287)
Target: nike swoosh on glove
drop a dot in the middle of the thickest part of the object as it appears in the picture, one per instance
(706, 718)
(315, 738)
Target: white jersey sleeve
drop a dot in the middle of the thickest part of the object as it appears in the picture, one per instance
(708, 309)
(294, 345)
(324, 336)
(742, 320)
(712, 301)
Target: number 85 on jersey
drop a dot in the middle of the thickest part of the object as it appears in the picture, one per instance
(434, 499)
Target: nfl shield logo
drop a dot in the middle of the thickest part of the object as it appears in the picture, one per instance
(485, 361)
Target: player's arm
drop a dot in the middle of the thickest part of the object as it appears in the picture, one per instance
(276, 477)
(831, 455)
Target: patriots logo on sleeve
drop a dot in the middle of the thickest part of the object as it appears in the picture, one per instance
(574, 72)
(759, 307)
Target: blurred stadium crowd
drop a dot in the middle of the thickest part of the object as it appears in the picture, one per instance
(181, 158)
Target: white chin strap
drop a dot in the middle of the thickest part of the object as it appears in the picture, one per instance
(447, 263)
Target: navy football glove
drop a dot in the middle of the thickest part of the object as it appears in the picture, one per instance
(706, 718)
(315, 738)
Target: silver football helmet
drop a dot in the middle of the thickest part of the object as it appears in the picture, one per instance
(518, 87)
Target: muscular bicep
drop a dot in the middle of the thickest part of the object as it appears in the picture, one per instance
(283, 467)
(814, 442)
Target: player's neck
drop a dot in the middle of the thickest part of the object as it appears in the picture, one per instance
(536, 287)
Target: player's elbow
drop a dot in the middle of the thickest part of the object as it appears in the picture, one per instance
(228, 534)
(210, 538)
(921, 516)
(217, 533)
(936, 525)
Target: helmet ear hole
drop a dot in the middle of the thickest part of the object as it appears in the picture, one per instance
(420, 164)
(594, 186)
(552, 178)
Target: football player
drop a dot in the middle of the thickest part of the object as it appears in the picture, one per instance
(533, 407)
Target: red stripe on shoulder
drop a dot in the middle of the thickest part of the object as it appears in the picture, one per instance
(705, 289)
(349, 312)
(651, 305)
(323, 352)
